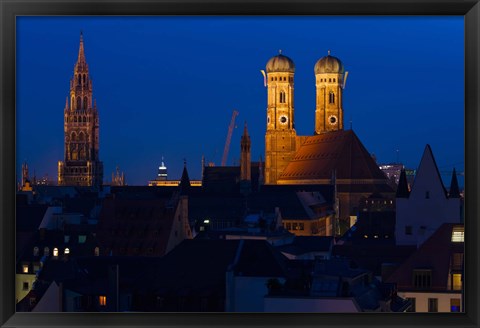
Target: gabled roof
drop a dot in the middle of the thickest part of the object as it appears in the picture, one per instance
(131, 226)
(434, 254)
(428, 174)
(339, 151)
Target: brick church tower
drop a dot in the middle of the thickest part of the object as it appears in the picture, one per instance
(82, 166)
(280, 138)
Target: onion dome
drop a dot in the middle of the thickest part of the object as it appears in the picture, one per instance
(329, 64)
(280, 63)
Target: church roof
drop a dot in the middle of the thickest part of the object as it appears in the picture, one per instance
(280, 63)
(329, 64)
(320, 155)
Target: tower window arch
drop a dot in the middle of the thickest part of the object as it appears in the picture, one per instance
(334, 80)
(282, 97)
(75, 119)
(83, 78)
(79, 79)
(80, 136)
(74, 136)
(84, 119)
(329, 80)
(85, 102)
(331, 98)
(79, 103)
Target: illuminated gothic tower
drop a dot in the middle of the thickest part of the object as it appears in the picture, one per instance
(329, 76)
(280, 136)
(81, 165)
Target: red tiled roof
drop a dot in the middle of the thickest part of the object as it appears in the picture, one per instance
(435, 254)
(340, 150)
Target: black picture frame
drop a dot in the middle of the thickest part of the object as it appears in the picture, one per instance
(470, 9)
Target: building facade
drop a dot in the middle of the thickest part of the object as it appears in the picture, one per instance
(81, 165)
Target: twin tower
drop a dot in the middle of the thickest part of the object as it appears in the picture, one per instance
(281, 140)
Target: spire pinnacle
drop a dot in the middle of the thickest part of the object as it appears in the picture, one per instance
(81, 51)
(329, 52)
(245, 130)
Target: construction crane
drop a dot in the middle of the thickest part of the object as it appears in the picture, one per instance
(229, 138)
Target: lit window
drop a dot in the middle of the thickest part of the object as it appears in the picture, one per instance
(97, 251)
(455, 305)
(82, 239)
(25, 268)
(67, 251)
(55, 252)
(102, 300)
(458, 234)
(457, 281)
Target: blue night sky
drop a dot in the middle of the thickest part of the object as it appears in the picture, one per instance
(167, 86)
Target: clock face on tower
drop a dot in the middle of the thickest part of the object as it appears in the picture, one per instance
(332, 119)
(283, 119)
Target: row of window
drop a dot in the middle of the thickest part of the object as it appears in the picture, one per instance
(81, 136)
(281, 78)
(79, 102)
(329, 80)
(294, 225)
(80, 119)
(78, 170)
(80, 78)
(433, 305)
(422, 279)
(46, 251)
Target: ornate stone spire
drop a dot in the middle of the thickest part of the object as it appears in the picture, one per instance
(81, 65)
